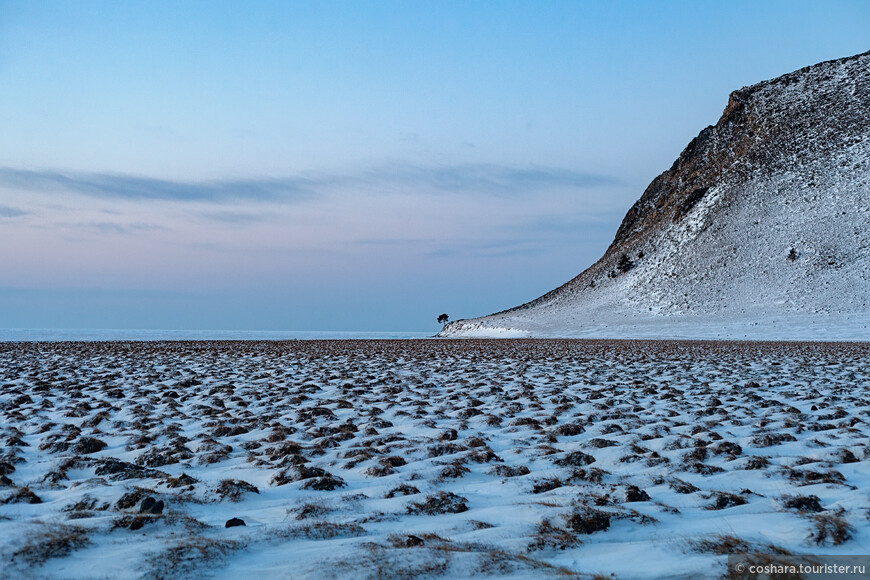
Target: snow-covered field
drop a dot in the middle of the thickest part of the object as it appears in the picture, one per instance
(424, 458)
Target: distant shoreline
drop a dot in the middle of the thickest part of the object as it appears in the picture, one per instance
(484, 344)
(145, 335)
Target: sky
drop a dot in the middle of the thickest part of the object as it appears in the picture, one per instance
(343, 165)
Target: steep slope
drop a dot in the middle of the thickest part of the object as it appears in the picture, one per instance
(760, 229)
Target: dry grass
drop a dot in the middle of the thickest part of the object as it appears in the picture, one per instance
(723, 500)
(802, 503)
(831, 528)
(234, 489)
(588, 520)
(723, 544)
(51, 541)
(548, 536)
(187, 556)
(440, 503)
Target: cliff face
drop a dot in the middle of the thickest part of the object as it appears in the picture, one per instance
(764, 213)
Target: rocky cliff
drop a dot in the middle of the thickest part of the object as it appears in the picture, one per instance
(760, 229)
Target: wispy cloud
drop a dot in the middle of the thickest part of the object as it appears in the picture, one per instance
(595, 220)
(391, 242)
(237, 218)
(114, 227)
(7, 211)
(484, 178)
(490, 249)
(525, 236)
(131, 187)
(441, 248)
(489, 179)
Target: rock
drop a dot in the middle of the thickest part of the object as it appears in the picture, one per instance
(413, 541)
(147, 504)
(150, 505)
(233, 522)
(138, 522)
(131, 498)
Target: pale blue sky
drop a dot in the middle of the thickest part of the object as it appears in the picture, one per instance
(350, 165)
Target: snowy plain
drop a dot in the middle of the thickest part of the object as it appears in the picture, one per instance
(428, 458)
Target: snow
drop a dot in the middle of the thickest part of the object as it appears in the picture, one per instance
(685, 422)
(560, 323)
(777, 248)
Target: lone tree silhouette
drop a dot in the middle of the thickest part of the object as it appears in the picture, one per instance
(443, 319)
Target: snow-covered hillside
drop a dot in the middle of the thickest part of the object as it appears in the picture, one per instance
(761, 229)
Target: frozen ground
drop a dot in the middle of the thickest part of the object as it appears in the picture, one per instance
(401, 459)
